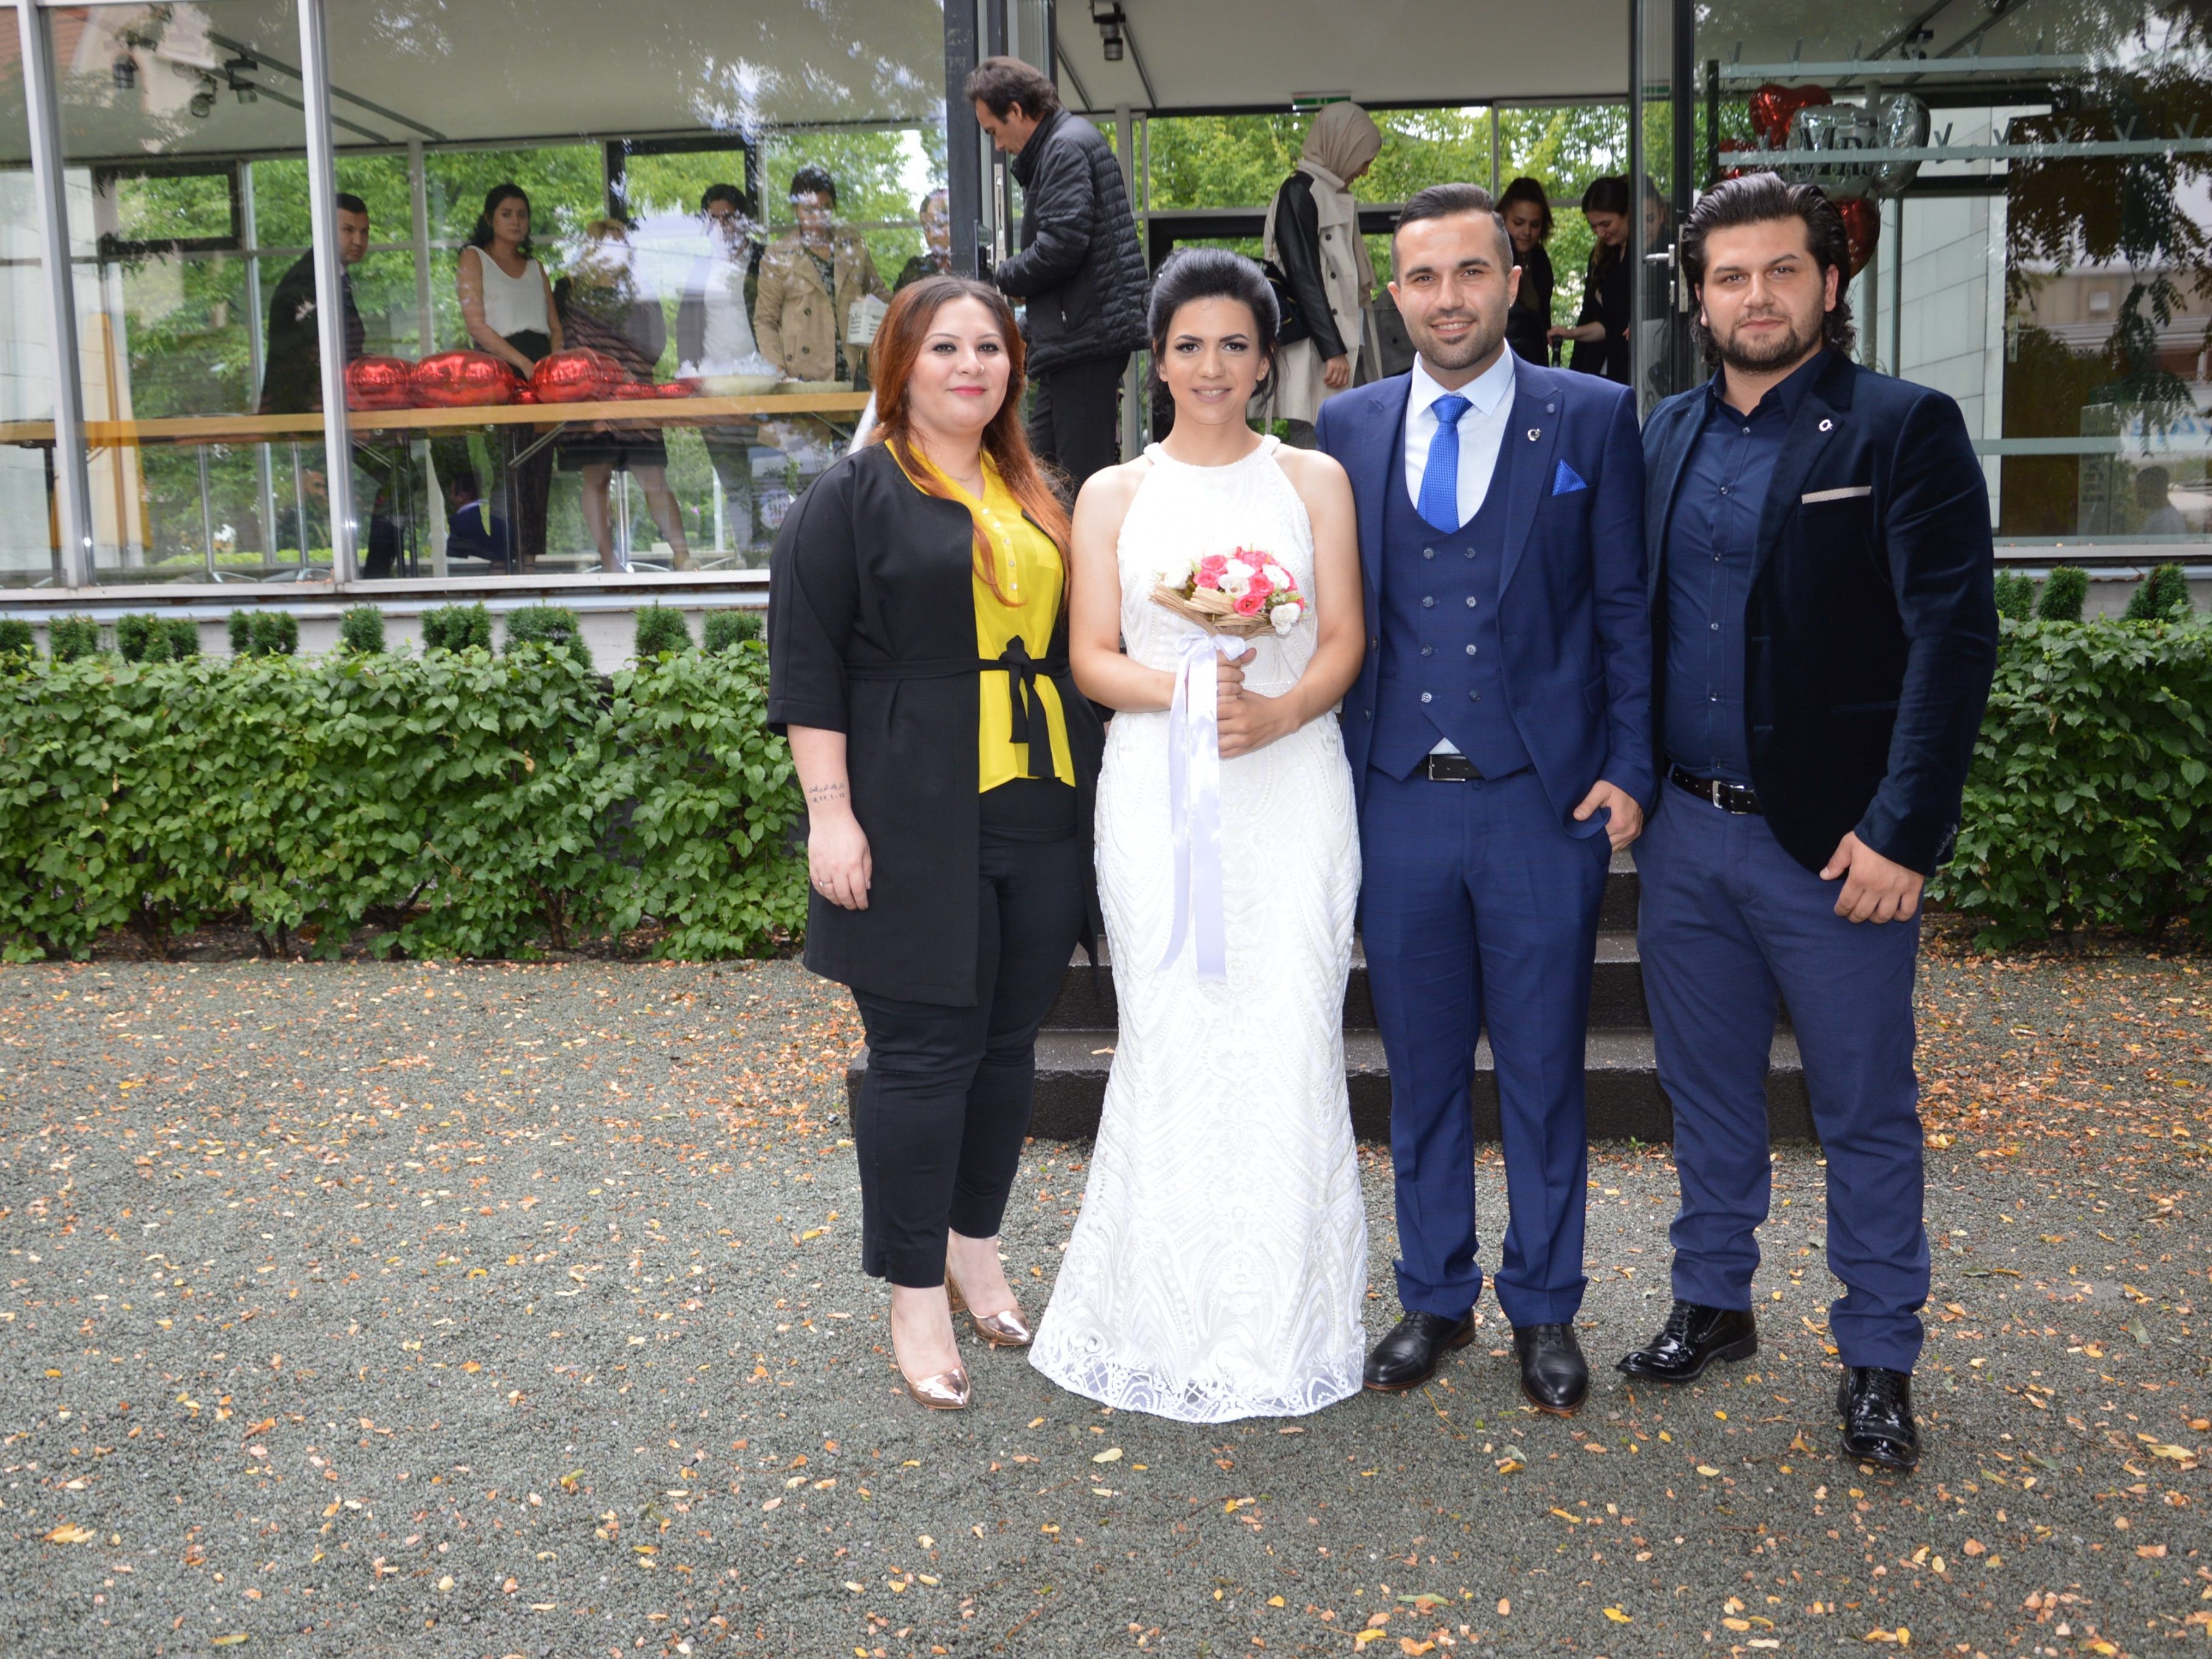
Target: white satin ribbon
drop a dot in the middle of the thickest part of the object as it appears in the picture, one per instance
(1195, 804)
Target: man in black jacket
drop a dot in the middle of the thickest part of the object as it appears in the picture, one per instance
(1825, 634)
(292, 378)
(1079, 270)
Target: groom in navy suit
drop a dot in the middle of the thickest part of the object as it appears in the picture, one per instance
(1499, 737)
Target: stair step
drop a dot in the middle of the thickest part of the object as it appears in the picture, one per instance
(1617, 910)
(1624, 1100)
(1086, 1003)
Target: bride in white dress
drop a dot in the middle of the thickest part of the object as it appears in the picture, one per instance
(1220, 1265)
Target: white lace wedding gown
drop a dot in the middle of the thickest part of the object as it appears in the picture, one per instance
(1220, 1265)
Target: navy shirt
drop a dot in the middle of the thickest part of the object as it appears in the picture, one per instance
(1710, 540)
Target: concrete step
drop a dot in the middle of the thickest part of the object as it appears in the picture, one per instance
(1617, 911)
(1625, 1099)
(1086, 1000)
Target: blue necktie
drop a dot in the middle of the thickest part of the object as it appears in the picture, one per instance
(1439, 502)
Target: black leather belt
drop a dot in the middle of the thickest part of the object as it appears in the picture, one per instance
(1729, 797)
(1449, 769)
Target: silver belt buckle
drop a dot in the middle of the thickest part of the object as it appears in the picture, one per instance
(1714, 787)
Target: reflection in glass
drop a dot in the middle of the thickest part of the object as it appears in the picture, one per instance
(174, 119)
(2032, 229)
(661, 216)
(30, 551)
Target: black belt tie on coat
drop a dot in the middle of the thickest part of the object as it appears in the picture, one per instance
(1028, 725)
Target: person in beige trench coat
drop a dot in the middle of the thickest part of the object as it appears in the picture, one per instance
(800, 324)
(1313, 236)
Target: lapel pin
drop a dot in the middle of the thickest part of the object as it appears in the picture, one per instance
(1828, 425)
(1534, 432)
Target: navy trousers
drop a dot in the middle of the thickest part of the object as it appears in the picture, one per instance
(1477, 907)
(1730, 920)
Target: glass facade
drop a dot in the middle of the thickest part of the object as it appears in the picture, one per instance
(635, 367)
(30, 543)
(184, 140)
(2029, 193)
(717, 212)
(609, 272)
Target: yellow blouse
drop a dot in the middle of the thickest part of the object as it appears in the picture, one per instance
(1030, 572)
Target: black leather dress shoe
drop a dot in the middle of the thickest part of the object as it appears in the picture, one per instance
(1554, 1376)
(1408, 1356)
(1877, 1407)
(1694, 1337)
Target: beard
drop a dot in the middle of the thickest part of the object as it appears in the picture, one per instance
(1481, 340)
(1798, 339)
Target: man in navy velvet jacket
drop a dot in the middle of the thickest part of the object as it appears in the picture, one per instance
(1825, 633)
(1500, 746)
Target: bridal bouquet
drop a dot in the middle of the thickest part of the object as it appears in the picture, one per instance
(1243, 592)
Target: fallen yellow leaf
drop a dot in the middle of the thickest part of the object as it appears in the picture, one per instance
(1274, 1600)
(1111, 1455)
(70, 1533)
(233, 1639)
(1618, 1616)
(1365, 1636)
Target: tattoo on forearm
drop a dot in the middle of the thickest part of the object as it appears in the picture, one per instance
(821, 794)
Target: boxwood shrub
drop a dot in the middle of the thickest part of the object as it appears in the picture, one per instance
(727, 630)
(2090, 800)
(457, 803)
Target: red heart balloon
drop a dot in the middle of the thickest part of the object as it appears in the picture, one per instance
(461, 379)
(1772, 106)
(1862, 224)
(580, 376)
(377, 383)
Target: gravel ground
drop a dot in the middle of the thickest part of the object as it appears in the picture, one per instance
(498, 1309)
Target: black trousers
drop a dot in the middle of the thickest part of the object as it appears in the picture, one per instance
(944, 1106)
(1074, 415)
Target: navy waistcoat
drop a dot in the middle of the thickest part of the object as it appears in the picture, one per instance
(1442, 674)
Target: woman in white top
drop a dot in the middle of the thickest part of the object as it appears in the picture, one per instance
(507, 304)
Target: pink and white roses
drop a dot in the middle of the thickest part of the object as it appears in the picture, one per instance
(1243, 590)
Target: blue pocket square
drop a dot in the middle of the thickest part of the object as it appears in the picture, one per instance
(1566, 481)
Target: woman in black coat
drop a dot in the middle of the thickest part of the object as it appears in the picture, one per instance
(1526, 207)
(1600, 332)
(918, 663)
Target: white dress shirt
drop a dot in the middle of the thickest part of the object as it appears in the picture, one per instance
(1481, 429)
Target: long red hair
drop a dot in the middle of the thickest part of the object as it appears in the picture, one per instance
(890, 363)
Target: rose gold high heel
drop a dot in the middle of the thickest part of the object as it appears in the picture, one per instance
(1000, 1330)
(947, 1391)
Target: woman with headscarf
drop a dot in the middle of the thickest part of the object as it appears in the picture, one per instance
(1313, 239)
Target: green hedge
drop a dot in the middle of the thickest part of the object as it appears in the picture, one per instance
(2090, 800)
(465, 804)
(468, 803)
